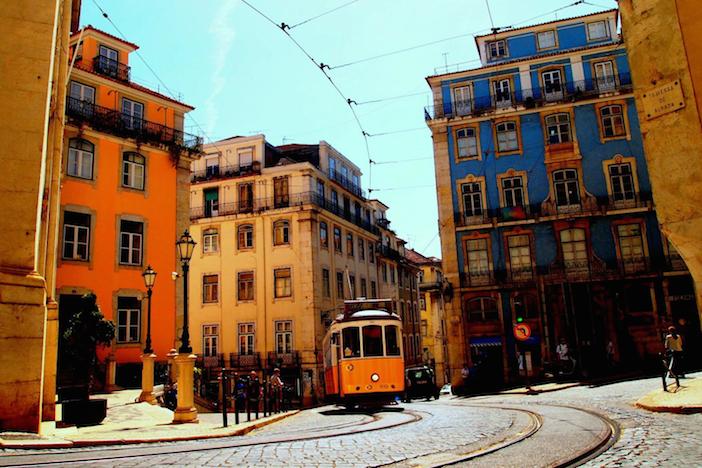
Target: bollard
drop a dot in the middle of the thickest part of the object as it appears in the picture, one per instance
(248, 410)
(236, 410)
(224, 398)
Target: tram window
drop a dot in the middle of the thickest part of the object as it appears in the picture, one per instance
(352, 344)
(392, 348)
(372, 340)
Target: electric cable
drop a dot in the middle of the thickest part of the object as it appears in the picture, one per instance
(321, 14)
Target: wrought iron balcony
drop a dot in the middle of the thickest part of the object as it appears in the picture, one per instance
(570, 91)
(216, 361)
(225, 172)
(290, 359)
(482, 277)
(112, 68)
(389, 253)
(347, 183)
(122, 125)
(245, 361)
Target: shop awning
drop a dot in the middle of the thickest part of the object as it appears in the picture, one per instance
(485, 341)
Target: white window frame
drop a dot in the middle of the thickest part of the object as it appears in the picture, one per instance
(466, 143)
(245, 232)
(133, 173)
(497, 49)
(75, 244)
(619, 179)
(519, 247)
(569, 186)
(574, 249)
(502, 92)
(478, 257)
(247, 338)
(612, 120)
(604, 76)
(132, 113)
(210, 291)
(604, 30)
(283, 337)
(558, 129)
(462, 100)
(131, 243)
(80, 159)
(131, 327)
(544, 34)
(631, 246)
(550, 76)
(210, 240)
(513, 189)
(210, 340)
(281, 232)
(472, 196)
(82, 92)
(507, 138)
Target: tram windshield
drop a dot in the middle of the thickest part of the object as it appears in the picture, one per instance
(372, 340)
(392, 347)
(352, 343)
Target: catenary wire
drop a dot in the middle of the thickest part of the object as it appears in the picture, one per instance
(321, 14)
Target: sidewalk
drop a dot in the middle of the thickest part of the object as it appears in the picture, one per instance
(128, 422)
(684, 400)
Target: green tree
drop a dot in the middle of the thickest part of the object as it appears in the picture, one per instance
(86, 330)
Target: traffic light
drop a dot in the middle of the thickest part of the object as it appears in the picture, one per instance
(520, 319)
(518, 311)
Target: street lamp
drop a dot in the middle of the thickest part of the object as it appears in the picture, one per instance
(186, 246)
(149, 276)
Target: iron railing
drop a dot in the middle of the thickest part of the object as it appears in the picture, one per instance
(291, 359)
(245, 361)
(224, 172)
(258, 205)
(389, 253)
(112, 68)
(347, 183)
(531, 97)
(127, 126)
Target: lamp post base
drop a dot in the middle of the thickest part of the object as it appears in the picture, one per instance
(147, 378)
(185, 412)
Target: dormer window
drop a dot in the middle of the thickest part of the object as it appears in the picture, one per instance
(497, 49)
(597, 30)
(546, 40)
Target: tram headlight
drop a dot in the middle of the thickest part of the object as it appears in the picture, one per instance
(375, 377)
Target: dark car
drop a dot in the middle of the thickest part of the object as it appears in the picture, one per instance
(420, 382)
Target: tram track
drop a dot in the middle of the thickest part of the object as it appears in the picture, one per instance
(68, 456)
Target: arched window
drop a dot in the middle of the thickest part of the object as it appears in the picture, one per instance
(133, 169)
(245, 233)
(612, 121)
(210, 240)
(506, 136)
(482, 309)
(281, 232)
(81, 154)
(558, 128)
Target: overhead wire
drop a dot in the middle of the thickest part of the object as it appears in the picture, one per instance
(322, 14)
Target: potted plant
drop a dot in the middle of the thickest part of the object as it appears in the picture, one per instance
(86, 330)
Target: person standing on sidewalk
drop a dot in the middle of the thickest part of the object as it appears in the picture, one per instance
(277, 389)
(253, 392)
(674, 350)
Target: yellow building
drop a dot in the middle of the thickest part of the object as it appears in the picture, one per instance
(663, 39)
(34, 70)
(285, 234)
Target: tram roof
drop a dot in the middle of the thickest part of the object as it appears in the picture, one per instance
(367, 314)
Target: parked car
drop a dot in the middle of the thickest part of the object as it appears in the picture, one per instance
(420, 382)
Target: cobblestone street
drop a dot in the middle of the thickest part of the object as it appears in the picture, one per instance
(433, 433)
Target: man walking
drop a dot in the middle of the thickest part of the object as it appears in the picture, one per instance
(674, 351)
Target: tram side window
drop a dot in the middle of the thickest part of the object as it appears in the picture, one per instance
(372, 340)
(352, 343)
(392, 347)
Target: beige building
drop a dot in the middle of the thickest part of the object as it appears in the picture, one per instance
(285, 234)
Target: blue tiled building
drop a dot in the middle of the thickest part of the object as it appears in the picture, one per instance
(545, 209)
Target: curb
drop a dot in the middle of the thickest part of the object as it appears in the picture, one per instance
(692, 409)
(104, 442)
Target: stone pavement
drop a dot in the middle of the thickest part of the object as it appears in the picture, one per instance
(130, 422)
(685, 399)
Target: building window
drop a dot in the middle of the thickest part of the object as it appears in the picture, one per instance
(133, 168)
(80, 158)
(422, 303)
(352, 286)
(558, 129)
(574, 249)
(245, 234)
(361, 249)
(364, 288)
(467, 143)
(245, 286)
(513, 191)
(349, 244)
(131, 234)
(246, 200)
(247, 338)
(82, 97)
(371, 252)
(211, 197)
(76, 235)
(281, 192)
(604, 76)
(496, 49)
(482, 309)
(320, 189)
(546, 39)
(340, 285)
(622, 182)
(210, 241)
(384, 272)
(210, 339)
(281, 232)
(502, 93)
(631, 247)
(332, 167)
(334, 200)
(210, 288)
(374, 290)
(565, 184)
(326, 286)
(132, 114)
(472, 199)
(506, 136)
(283, 337)
(612, 121)
(212, 166)
(337, 240)
(478, 259)
(424, 327)
(245, 159)
(323, 235)
(462, 101)
(519, 256)
(553, 85)
(128, 319)
(283, 282)
(597, 30)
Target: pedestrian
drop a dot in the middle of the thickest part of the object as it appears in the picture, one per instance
(610, 354)
(564, 359)
(465, 375)
(277, 389)
(674, 351)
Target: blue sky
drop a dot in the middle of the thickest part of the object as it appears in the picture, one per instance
(244, 76)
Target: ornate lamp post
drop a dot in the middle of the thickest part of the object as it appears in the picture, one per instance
(185, 361)
(147, 359)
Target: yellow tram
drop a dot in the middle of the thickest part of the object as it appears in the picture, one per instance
(363, 356)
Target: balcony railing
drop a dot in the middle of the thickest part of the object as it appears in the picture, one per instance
(127, 126)
(347, 183)
(389, 253)
(528, 98)
(471, 279)
(430, 285)
(291, 359)
(259, 205)
(245, 361)
(112, 68)
(225, 172)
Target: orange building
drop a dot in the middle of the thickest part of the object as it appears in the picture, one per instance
(124, 200)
